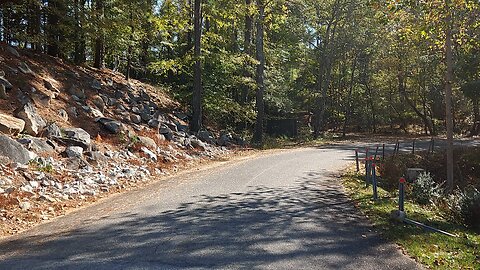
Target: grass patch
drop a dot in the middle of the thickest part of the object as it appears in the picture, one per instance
(431, 249)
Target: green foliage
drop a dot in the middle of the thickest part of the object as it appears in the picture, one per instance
(472, 90)
(425, 190)
(434, 250)
(42, 166)
(367, 65)
(464, 207)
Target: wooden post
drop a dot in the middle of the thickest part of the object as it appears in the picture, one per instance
(356, 159)
(374, 182)
(367, 171)
(383, 152)
(401, 195)
(413, 147)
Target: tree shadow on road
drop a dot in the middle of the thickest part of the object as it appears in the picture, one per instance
(309, 222)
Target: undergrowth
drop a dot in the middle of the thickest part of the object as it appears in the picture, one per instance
(434, 250)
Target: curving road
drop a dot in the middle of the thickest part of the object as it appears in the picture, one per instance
(280, 211)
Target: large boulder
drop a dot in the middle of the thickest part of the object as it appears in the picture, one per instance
(148, 142)
(34, 123)
(224, 139)
(52, 131)
(37, 145)
(135, 118)
(99, 103)
(11, 125)
(76, 137)
(113, 126)
(78, 92)
(206, 136)
(14, 150)
(166, 131)
(96, 85)
(198, 144)
(74, 152)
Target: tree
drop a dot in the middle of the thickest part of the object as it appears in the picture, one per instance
(196, 123)
(99, 61)
(260, 56)
(448, 95)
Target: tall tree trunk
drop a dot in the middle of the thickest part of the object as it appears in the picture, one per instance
(402, 89)
(189, 42)
(34, 24)
(2, 24)
(476, 111)
(79, 34)
(448, 97)
(323, 79)
(260, 55)
(196, 124)
(348, 105)
(99, 61)
(130, 47)
(247, 48)
(373, 110)
(7, 23)
(53, 21)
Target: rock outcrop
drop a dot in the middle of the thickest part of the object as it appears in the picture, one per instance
(11, 125)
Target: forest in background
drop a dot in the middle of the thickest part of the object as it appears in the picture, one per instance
(346, 65)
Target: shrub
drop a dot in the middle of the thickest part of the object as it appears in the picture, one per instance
(425, 190)
(465, 207)
(394, 167)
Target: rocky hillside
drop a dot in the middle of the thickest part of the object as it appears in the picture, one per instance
(69, 134)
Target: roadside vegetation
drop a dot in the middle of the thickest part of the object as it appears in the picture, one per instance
(426, 202)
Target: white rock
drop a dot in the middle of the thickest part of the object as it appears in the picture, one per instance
(47, 198)
(58, 185)
(34, 184)
(27, 188)
(74, 151)
(149, 153)
(25, 205)
(89, 182)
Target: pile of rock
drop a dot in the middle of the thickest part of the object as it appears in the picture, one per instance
(76, 167)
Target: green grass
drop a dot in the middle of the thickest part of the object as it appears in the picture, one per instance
(434, 250)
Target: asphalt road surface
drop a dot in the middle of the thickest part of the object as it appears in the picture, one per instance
(281, 211)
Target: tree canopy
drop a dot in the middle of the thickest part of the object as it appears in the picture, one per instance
(346, 65)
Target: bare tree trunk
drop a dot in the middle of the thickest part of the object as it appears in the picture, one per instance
(348, 106)
(2, 23)
(79, 34)
(188, 35)
(247, 48)
(130, 49)
(100, 40)
(260, 55)
(196, 124)
(34, 23)
(401, 88)
(448, 97)
(475, 130)
(53, 20)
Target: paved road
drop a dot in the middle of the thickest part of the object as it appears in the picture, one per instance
(281, 211)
